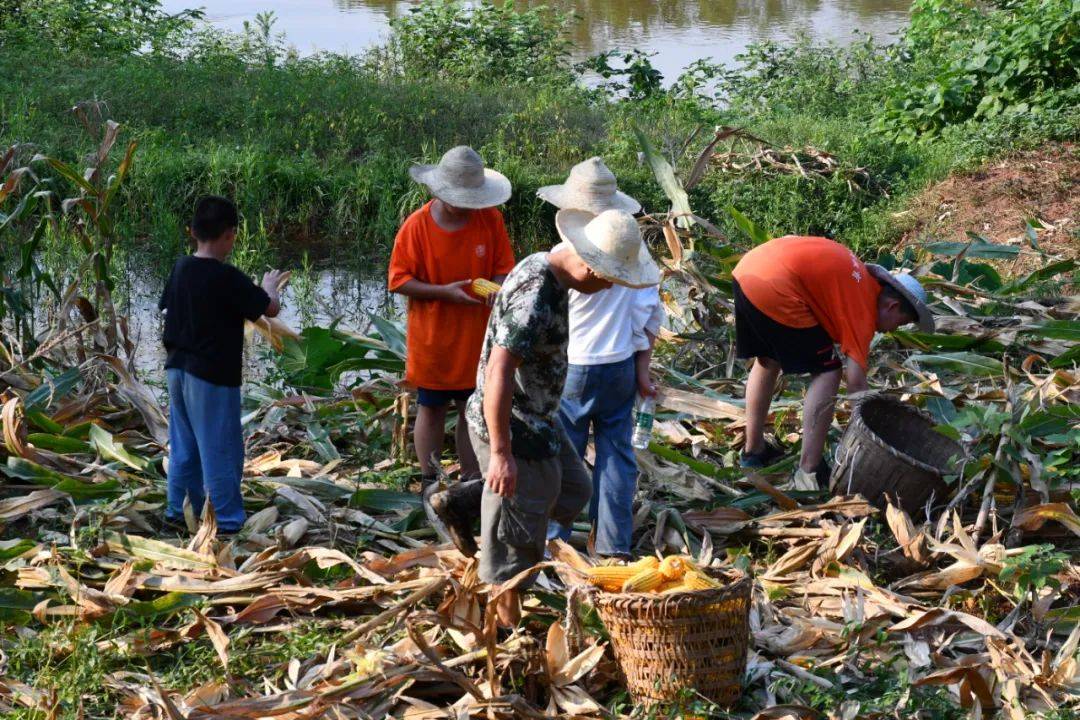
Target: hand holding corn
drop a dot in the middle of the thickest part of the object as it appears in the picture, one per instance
(485, 289)
(456, 292)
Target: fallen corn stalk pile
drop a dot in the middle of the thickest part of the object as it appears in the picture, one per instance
(844, 598)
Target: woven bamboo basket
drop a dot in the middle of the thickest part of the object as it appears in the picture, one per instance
(692, 640)
(890, 449)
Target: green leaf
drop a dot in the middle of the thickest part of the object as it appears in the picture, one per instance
(320, 442)
(158, 551)
(15, 606)
(318, 486)
(71, 174)
(58, 443)
(166, 604)
(1043, 273)
(379, 500)
(969, 273)
(1030, 230)
(929, 341)
(42, 421)
(14, 548)
(967, 363)
(1057, 329)
(756, 233)
(109, 449)
(391, 333)
(941, 408)
(118, 179)
(1070, 358)
(52, 388)
(1053, 420)
(975, 249)
(665, 175)
(23, 469)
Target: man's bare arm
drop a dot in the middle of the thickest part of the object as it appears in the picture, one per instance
(642, 363)
(855, 377)
(451, 292)
(498, 395)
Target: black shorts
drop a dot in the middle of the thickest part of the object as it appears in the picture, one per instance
(440, 398)
(798, 350)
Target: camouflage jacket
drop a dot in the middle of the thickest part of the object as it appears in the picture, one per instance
(530, 319)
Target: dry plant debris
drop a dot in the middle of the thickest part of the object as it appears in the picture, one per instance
(856, 612)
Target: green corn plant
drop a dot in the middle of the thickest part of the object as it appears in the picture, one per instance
(88, 213)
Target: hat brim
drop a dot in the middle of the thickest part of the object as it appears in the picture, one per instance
(925, 317)
(566, 198)
(495, 190)
(642, 272)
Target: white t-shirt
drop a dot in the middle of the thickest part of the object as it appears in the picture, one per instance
(609, 326)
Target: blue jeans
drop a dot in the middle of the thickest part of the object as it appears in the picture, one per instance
(206, 449)
(601, 397)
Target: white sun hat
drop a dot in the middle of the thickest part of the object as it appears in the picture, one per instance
(610, 244)
(460, 179)
(590, 186)
(912, 290)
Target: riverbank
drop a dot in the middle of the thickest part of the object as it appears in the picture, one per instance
(315, 149)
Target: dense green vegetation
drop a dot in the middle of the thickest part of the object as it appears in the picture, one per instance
(315, 148)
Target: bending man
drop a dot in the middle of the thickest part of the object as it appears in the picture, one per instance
(795, 297)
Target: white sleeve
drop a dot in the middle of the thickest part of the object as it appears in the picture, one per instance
(648, 316)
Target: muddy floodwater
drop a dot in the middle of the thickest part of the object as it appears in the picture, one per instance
(678, 31)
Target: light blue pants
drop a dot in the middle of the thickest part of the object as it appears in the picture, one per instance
(601, 397)
(206, 449)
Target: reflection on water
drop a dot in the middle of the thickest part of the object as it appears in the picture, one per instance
(679, 31)
(331, 296)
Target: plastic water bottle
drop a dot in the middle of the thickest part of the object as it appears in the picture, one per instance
(643, 423)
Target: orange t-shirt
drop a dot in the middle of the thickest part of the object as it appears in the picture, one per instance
(805, 281)
(444, 339)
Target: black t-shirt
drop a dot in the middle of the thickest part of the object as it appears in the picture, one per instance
(206, 302)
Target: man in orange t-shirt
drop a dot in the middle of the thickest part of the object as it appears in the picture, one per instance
(795, 298)
(457, 237)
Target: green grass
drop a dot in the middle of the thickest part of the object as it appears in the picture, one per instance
(316, 150)
(74, 659)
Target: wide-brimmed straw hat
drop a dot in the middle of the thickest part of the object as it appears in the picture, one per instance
(590, 186)
(610, 244)
(912, 290)
(461, 180)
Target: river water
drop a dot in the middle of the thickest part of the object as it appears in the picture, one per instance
(678, 31)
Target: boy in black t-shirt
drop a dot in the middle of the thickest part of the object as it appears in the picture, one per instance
(206, 301)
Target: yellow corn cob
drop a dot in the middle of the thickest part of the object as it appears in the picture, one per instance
(671, 586)
(673, 567)
(696, 580)
(484, 288)
(649, 562)
(611, 577)
(644, 581)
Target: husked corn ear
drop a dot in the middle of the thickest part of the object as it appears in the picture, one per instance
(671, 586)
(611, 577)
(673, 567)
(697, 580)
(644, 581)
(649, 562)
(484, 288)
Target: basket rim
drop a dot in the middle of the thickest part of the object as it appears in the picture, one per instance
(857, 419)
(704, 596)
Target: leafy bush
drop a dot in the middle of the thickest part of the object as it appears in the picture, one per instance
(807, 78)
(974, 60)
(1034, 569)
(95, 25)
(485, 41)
